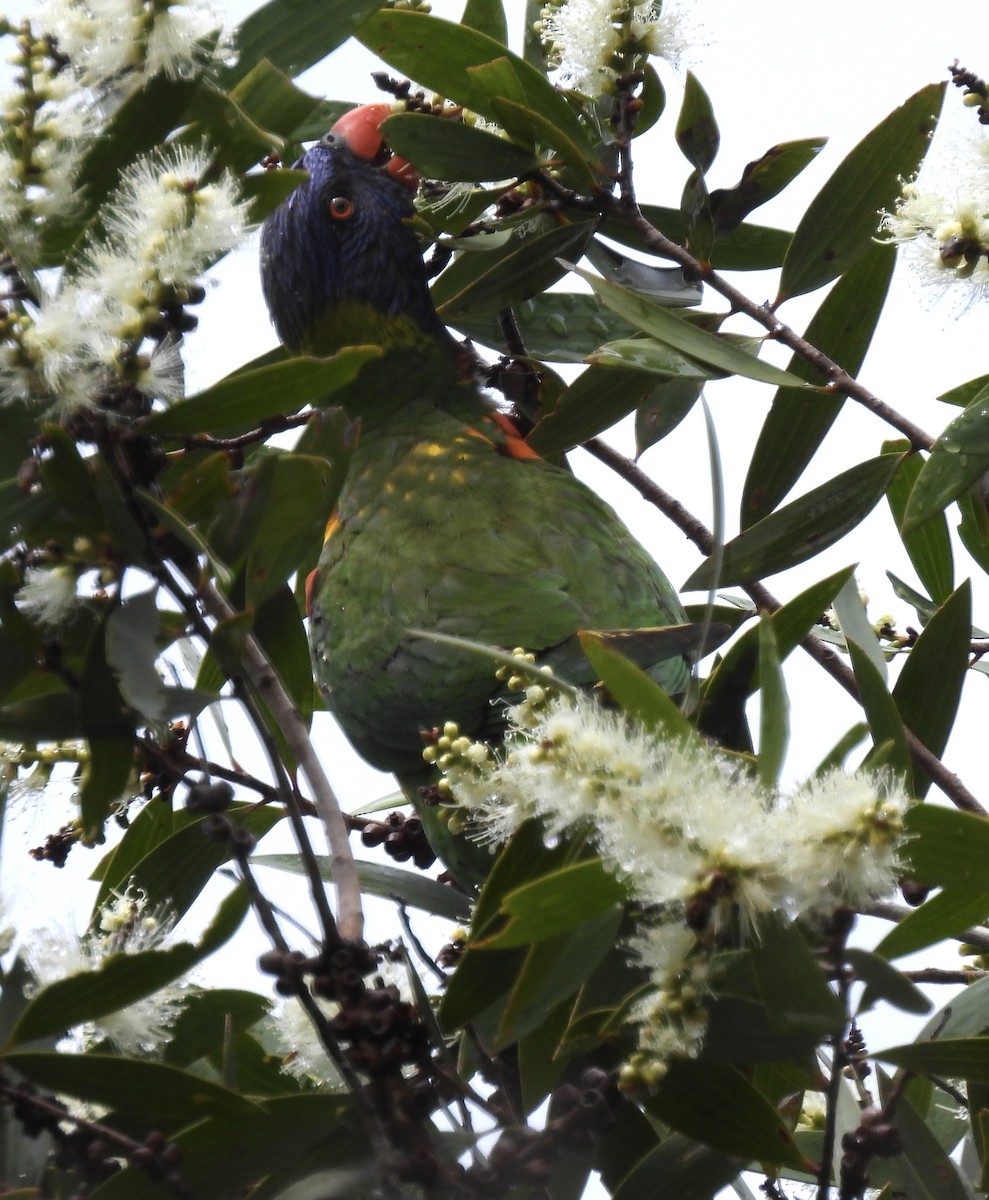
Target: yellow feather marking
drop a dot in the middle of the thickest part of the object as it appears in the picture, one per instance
(332, 525)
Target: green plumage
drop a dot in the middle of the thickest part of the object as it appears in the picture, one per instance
(438, 526)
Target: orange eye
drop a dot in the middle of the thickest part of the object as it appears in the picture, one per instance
(341, 207)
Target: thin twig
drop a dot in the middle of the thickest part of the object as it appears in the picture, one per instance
(820, 651)
(264, 678)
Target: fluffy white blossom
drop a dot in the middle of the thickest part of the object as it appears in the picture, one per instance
(304, 1056)
(942, 217)
(48, 594)
(127, 925)
(593, 41)
(109, 42)
(698, 843)
(164, 228)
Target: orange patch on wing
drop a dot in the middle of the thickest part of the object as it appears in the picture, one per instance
(514, 446)
(310, 589)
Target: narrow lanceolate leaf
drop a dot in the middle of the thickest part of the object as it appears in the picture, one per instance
(774, 713)
(246, 398)
(792, 984)
(841, 222)
(797, 422)
(717, 1105)
(661, 324)
(854, 621)
(761, 180)
(945, 915)
(881, 712)
(946, 848)
(929, 545)
(696, 129)
(803, 528)
(640, 696)
(958, 457)
(959, 1058)
(929, 688)
(747, 248)
(555, 903)
(147, 1091)
(444, 149)
(555, 327)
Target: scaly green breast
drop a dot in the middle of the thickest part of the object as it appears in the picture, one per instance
(438, 531)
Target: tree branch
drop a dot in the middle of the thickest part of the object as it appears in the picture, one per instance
(264, 678)
(820, 651)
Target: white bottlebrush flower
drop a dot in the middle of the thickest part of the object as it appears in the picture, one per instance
(116, 43)
(839, 839)
(48, 594)
(694, 838)
(127, 925)
(593, 41)
(304, 1056)
(942, 218)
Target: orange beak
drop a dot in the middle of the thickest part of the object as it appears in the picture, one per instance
(361, 130)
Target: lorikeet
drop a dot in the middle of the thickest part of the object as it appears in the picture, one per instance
(446, 521)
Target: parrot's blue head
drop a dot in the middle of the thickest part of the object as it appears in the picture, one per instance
(340, 266)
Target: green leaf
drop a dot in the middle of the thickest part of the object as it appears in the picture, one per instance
(439, 55)
(279, 630)
(663, 410)
(945, 915)
(679, 1167)
(655, 357)
(954, 1058)
(657, 321)
(792, 984)
(928, 690)
(802, 528)
(555, 327)
(487, 17)
(881, 712)
(445, 149)
(279, 514)
(525, 268)
(247, 398)
(294, 36)
(145, 1091)
(519, 119)
(639, 695)
(555, 903)
(696, 129)
(929, 545)
(596, 400)
(797, 422)
(747, 248)
(884, 982)
(735, 678)
(958, 457)
(945, 847)
(922, 1170)
(774, 713)
(226, 1156)
(207, 1018)
(553, 970)
(108, 729)
(390, 883)
(841, 222)
(176, 868)
(718, 1106)
(965, 393)
(121, 979)
(761, 180)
